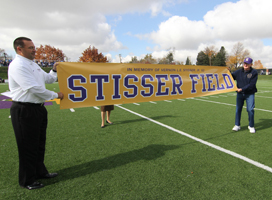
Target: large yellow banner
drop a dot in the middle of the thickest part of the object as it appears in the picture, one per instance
(95, 84)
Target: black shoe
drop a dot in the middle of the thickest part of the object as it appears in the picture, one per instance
(35, 185)
(102, 126)
(109, 122)
(49, 175)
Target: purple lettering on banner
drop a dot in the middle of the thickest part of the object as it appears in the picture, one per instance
(217, 81)
(176, 87)
(131, 86)
(210, 82)
(226, 76)
(145, 85)
(159, 92)
(194, 82)
(81, 89)
(203, 83)
(99, 80)
(116, 86)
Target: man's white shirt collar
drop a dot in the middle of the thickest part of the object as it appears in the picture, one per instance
(24, 58)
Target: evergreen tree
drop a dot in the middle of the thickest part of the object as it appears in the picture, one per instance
(188, 61)
(170, 57)
(220, 58)
(167, 60)
(202, 59)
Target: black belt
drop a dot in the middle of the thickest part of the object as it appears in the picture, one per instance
(28, 104)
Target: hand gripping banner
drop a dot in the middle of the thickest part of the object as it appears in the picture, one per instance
(96, 84)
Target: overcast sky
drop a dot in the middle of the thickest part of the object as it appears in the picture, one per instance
(137, 27)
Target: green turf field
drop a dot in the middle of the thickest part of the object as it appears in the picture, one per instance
(179, 149)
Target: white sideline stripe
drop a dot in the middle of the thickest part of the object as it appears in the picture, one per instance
(168, 101)
(265, 90)
(96, 107)
(263, 97)
(232, 105)
(72, 110)
(136, 104)
(152, 102)
(216, 102)
(257, 164)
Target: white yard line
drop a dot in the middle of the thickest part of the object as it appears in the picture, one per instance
(231, 105)
(264, 87)
(214, 96)
(257, 164)
(263, 97)
(216, 102)
(260, 92)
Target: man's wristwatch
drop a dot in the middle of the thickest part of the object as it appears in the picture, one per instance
(54, 70)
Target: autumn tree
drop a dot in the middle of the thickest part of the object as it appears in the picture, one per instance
(258, 65)
(49, 54)
(179, 63)
(211, 53)
(231, 62)
(238, 54)
(134, 59)
(91, 55)
(148, 59)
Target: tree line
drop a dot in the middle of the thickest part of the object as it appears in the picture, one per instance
(209, 56)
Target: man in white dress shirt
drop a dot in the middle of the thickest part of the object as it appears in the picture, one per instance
(28, 114)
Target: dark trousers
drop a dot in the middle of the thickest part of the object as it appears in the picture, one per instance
(29, 123)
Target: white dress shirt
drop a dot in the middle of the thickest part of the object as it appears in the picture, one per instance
(27, 81)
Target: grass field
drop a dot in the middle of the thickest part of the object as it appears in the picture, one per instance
(180, 149)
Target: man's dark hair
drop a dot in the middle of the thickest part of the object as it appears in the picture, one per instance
(19, 42)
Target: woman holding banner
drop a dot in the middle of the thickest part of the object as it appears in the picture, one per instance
(106, 109)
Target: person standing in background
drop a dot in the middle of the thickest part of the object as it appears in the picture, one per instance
(106, 109)
(28, 114)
